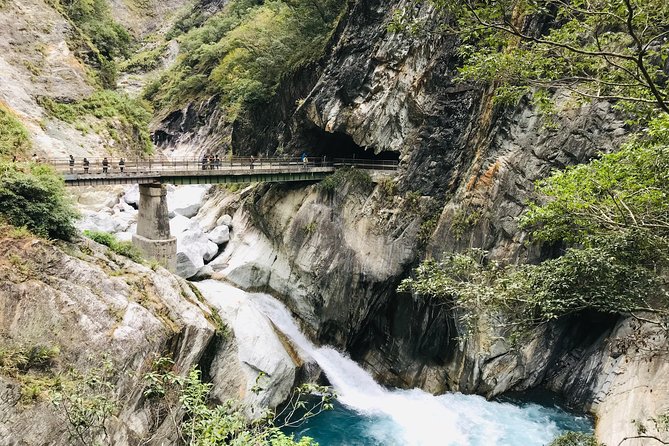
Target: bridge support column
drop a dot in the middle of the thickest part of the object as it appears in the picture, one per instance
(153, 237)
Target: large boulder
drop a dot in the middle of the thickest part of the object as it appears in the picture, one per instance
(100, 221)
(179, 224)
(186, 200)
(259, 348)
(131, 195)
(99, 198)
(219, 235)
(193, 250)
(186, 266)
(225, 219)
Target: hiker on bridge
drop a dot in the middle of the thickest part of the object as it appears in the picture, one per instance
(86, 165)
(217, 162)
(253, 160)
(204, 162)
(105, 165)
(71, 163)
(121, 164)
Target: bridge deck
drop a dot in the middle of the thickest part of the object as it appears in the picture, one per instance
(191, 171)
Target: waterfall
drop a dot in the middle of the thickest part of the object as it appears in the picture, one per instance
(417, 418)
(368, 414)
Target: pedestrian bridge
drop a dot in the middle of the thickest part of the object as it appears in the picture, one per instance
(193, 171)
(153, 236)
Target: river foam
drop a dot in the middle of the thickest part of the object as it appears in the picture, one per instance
(417, 418)
(368, 414)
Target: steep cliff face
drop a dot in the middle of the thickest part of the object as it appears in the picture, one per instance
(471, 166)
(327, 254)
(85, 305)
(36, 60)
(44, 55)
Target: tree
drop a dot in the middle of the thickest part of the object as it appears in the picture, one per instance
(14, 138)
(575, 439)
(86, 402)
(605, 49)
(33, 195)
(200, 423)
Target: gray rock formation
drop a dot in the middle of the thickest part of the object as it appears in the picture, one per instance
(219, 235)
(93, 305)
(468, 168)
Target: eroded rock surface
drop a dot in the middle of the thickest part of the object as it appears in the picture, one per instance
(93, 305)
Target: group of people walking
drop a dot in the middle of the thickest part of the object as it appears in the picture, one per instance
(208, 162)
(87, 164)
(211, 162)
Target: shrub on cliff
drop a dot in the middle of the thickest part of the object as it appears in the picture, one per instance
(576, 439)
(125, 119)
(246, 50)
(34, 196)
(355, 178)
(126, 249)
(613, 212)
(14, 139)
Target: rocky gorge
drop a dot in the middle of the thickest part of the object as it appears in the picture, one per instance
(335, 257)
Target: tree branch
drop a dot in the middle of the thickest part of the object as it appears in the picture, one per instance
(639, 59)
(649, 437)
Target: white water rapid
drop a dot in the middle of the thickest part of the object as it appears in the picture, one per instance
(414, 417)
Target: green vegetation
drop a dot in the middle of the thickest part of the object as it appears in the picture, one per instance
(20, 359)
(243, 52)
(86, 401)
(116, 111)
(521, 297)
(310, 227)
(575, 439)
(33, 195)
(144, 61)
(98, 35)
(32, 367)
(14, 139)
(121, 248)
(203, 424)
(465, 219)
(427, 228)
(94, 18)
(356, 178)
(621, 193)
(595, 49)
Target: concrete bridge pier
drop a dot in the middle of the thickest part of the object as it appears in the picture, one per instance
(153, 236)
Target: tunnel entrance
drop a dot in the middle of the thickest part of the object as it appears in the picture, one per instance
(341, 145)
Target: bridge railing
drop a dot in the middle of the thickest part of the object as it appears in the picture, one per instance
(157, 165)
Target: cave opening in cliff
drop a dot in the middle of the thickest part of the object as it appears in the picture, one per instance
(340, 145)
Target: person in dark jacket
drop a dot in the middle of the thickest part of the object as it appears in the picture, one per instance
(86, 165)
(105, 165)
(71, 163)
(121, 164)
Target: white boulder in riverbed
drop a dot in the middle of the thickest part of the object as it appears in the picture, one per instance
(225, 220)
(258, 349)
(186, 200)
(193, 249)
(131, 195)
(179, 224)
(219, 235)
